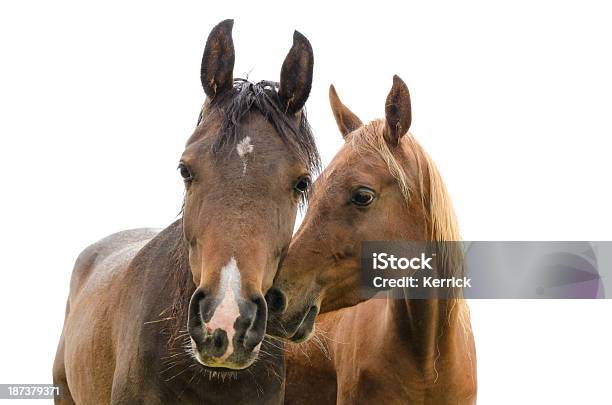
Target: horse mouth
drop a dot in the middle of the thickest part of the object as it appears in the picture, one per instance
(217, 366)
(224, 364)
(220, 370)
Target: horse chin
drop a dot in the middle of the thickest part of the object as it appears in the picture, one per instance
(303, 333)
(307, 328)
(213, 365)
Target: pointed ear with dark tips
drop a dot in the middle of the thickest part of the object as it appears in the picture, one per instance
(346, 120)
(296, 75)
(398, 113)
(218, 61)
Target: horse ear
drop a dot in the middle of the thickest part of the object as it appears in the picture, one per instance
(296, 74)
(218, 60)
(346, 120)
(398, 113)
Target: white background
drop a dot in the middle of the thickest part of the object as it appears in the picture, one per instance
(512, 100)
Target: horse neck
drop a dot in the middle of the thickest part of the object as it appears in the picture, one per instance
(169, 258)
(436, 340)
(425, 323)
(183, 280)
(430, 326)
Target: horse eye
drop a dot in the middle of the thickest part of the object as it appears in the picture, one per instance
(302, 185)
(363, 196)
(185, 172)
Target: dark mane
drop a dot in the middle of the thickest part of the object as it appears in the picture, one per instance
(263, 96)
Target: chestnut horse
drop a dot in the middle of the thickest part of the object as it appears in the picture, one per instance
(173, 316)
(381, 185)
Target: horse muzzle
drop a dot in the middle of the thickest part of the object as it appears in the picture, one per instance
(226, 332)
(295, 326)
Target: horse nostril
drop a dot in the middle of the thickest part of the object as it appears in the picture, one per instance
(219, 339)
(276, 300)
(195, 315)
(219, 343)
(257, 328)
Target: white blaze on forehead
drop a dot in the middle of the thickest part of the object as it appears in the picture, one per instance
(227, 311)
(244, 148)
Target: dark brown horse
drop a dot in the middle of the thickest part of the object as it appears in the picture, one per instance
(173, 316)
(380, 186)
